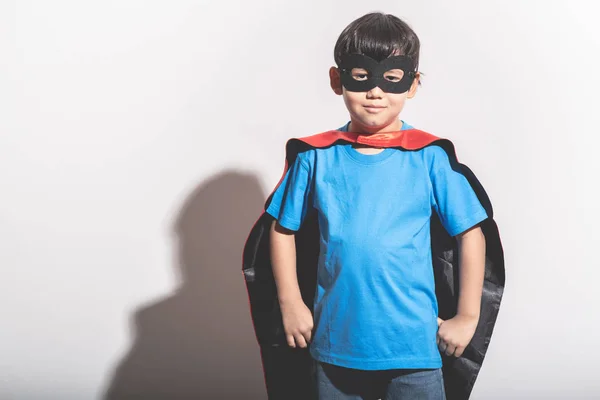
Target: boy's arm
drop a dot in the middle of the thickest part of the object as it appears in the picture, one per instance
(297, 317)
(455, 334)
(283, 260)
(471, 269)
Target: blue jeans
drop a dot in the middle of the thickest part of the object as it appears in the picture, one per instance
(334, 382)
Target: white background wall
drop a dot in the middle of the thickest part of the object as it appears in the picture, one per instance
(139, 139)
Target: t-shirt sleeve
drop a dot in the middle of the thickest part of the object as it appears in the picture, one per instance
(454, 199)
(289, 203)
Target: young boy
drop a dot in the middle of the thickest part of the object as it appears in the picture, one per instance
(375, 332)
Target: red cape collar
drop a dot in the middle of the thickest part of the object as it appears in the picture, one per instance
(410, 139)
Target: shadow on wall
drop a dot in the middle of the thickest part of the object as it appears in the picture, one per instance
(199, 343)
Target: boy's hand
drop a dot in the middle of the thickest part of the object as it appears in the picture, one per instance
(455, 334)
(297, 323)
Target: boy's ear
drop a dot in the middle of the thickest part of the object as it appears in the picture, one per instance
(413, 88)
(334, 81)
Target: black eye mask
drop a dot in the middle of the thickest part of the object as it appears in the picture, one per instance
(375, 71)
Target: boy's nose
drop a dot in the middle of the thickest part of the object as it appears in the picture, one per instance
(376, 92)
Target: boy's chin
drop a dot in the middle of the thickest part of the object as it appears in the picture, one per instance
(375, 124)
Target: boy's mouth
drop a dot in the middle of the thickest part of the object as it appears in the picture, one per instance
(373, 109)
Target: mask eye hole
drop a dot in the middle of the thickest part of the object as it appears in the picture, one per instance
(394, 75)
(359, 74)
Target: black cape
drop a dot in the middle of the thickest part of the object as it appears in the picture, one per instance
(289, 372)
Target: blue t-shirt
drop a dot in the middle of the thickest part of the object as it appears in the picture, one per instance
(375, 303)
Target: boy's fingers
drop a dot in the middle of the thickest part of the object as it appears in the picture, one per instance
(307, 335)
(300, 341)
(290, 340)
(440, 321)
(442, 346)
(450, 350)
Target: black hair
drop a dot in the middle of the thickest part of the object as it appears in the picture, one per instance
(378, 36)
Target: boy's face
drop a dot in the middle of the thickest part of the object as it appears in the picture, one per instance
(373, 110)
